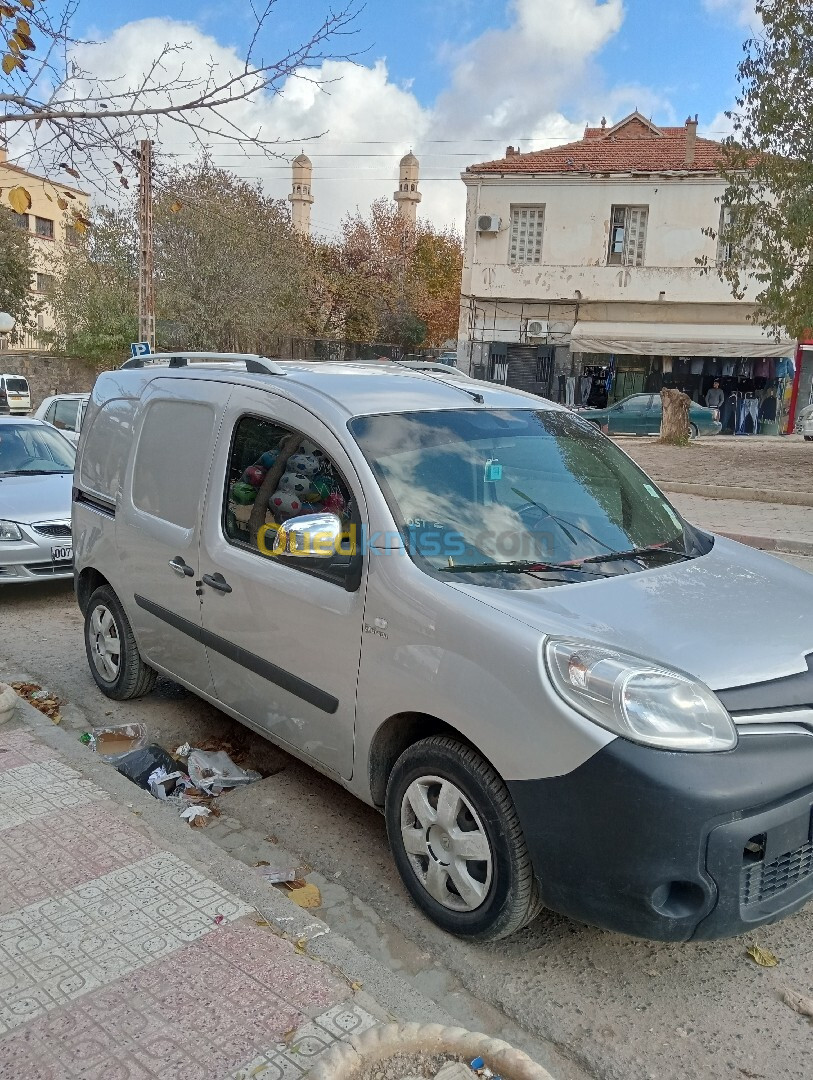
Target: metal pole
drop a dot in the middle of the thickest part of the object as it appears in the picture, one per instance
(146, 291)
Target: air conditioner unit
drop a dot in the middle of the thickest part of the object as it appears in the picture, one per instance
(537, 328)
(487, 223)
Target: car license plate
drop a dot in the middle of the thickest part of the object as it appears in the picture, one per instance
(62, 554)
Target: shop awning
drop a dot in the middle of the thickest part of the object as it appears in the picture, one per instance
(676, 339)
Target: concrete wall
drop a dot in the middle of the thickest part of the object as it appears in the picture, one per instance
(48, 374)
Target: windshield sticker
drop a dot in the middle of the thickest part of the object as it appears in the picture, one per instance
(493, 471)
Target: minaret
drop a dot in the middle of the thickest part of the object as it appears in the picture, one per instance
(407, 196)
(300, 197)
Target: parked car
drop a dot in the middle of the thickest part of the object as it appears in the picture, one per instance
(15, 395)
(640, 414)
(36, 472)
(66, 412)
(804, 423)
(476, 613)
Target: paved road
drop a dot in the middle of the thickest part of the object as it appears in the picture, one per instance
(615, 1007)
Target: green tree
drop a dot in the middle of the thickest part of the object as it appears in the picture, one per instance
(95, 295)
(767, 223)
(16, 273)
(230, 273)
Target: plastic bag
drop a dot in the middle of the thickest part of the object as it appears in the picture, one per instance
(138, 765)
(215, 771)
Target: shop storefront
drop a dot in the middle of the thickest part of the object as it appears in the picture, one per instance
(737, 369)
(802, 392)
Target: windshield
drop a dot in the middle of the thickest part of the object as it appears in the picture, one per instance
(17, 386)
(34, 448)
(486, 489)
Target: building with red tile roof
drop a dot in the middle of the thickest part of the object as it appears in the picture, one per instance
(603, 253)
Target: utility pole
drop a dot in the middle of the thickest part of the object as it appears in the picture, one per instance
(146, 290)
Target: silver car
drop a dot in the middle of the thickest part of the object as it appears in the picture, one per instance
(66, 412)
(804, 423)
(36, 473)
(471, 609)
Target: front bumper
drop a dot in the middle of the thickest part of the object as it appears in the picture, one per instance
(676, 846)
(30, 559)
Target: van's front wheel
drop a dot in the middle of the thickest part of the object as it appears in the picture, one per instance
(113, 656)
(457, 841)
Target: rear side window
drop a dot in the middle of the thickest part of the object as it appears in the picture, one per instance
(172, 461)
(65, 414)
(107, 448)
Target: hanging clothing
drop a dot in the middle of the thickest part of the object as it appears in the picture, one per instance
(729, 413)
(667, 365)
(696, 366)
(562, 389)
(748, 412)
(767, 409)
(585, 386)
(729, 367)
(760, 370)
(785, 368)
(570, 390)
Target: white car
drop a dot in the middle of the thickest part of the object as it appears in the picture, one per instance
(65, 412)
(804, 423)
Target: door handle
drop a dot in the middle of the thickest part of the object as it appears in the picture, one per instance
(216, 581)
(180, 567)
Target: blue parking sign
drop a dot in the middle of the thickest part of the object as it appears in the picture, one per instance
(140, 348)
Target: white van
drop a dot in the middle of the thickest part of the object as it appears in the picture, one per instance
(15, 395)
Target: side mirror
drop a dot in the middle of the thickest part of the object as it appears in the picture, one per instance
(311, 536)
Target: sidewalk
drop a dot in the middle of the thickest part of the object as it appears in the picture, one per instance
(770, 526)
(132, 947)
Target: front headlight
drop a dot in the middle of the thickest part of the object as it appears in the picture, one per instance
(637, 699)
(9, 531)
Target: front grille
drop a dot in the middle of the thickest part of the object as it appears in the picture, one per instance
(46, 569)
(762, 881)
(52, 530)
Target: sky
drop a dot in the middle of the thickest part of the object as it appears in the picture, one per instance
(453, 80)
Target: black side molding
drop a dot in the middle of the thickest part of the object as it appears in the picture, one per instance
(95, 502)
(264, 668)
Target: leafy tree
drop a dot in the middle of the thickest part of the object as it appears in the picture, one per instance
(767, 230)
(230, 272)
(95, 294)
(16, 274)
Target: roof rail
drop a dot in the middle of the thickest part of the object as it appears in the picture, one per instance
(258, 365)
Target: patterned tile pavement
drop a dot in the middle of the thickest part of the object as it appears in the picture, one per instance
(112, 963)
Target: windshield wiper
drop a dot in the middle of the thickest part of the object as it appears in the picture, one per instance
(527, 567)
(33, 472)
(634, 553)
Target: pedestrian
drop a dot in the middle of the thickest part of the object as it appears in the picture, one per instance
(715, 396)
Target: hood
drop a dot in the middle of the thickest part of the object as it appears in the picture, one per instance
(730, 618)
(36, 498)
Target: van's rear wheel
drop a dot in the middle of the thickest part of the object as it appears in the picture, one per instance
(457, 841)
(113, 656)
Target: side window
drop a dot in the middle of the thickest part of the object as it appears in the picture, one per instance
(107, 448)
(65, 414)
(49, 413)
(172, 461)
(306, 481)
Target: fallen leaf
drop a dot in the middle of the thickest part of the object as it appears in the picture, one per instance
(800, 1004)
(262, 922)
(301, 945)
(763, 957)
(176, 206)
(288, 1036)
(262, 862)
(306, 897)
(355, 986)
(271, 839)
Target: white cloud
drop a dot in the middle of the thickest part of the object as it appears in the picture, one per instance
(504, 86)
(742, 10)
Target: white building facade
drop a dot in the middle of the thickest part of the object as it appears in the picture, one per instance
(584, 258)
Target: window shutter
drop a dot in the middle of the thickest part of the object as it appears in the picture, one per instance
(635, 240)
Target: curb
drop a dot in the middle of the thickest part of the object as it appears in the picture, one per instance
(380, 1044)
(770, 543)
(384, 993)
(742, 494)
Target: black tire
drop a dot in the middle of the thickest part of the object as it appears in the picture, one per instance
(808, 438)
(693, 431)
(131, 677)
(512, 898)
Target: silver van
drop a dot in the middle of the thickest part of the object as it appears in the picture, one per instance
(15, 395)
(468, 607)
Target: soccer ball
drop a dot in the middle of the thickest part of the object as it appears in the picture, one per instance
(285, 502)
(267, 459)
(307, 447)
(253, 475)
(307, 464)
(297, 483)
